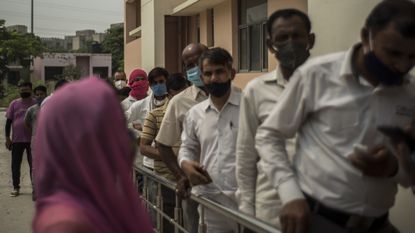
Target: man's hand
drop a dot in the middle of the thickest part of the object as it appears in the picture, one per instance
(377, 162)
(295, 217)
(196, 173)
(183, 187)
(8, 143)
(138, 126)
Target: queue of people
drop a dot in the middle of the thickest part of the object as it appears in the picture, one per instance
(317, 145)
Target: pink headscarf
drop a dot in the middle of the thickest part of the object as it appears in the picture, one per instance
(138, 88)
(84, 162)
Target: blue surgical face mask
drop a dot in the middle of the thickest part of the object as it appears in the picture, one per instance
(379, 70)
(159, 89)
(193, 75)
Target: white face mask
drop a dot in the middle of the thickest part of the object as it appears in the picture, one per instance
(119, 84)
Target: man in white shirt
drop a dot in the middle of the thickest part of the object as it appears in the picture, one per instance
(344, 178)
(207, 153)
(172, 125)
(289, 39)
(135, 115)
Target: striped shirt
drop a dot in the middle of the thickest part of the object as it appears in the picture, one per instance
(151, 127)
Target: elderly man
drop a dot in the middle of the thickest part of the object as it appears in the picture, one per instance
(172, 125)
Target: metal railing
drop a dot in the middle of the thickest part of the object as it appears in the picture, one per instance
(243, 221)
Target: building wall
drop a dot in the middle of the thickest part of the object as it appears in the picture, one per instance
(337, 23)
(85, 61)
(76, 43)
(101, 60)
(148, 54)
(132, 56)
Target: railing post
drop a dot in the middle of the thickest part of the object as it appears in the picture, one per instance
(145, 193)
(178, 213)
(159, 204)
(202, 224)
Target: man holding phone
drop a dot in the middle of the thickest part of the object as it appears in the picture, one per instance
(335, 103)
(207, 153)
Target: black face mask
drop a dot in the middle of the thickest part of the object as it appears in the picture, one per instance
(291, 55)
(381, 72)
(218, 89)
(25, 95)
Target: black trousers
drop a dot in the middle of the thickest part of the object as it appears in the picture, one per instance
(17, 156)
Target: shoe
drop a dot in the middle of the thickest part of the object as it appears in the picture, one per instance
(15, 193)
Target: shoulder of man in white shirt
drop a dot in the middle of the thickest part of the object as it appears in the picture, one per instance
(254, 83)
(324, 61)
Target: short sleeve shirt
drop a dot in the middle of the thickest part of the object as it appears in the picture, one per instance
(171, 127)
(16, 112)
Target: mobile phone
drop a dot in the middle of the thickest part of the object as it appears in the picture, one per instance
(397, 134)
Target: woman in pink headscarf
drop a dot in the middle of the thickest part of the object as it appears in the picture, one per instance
(84, 164)
(139, 87)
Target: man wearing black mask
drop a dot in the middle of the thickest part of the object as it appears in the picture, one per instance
(344, 176)
(289, 39)
(207, 153)
(21, 136)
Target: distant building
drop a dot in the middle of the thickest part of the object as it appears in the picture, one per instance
(21, 29)
(68, 42)
(53, 64)
(98, 37)
(86, 33)
(54, 43)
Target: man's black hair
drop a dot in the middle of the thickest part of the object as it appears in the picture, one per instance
(177, 81)
(25, 84)
(60, 83)
(217, 56)
(288, 13)
(400, 12)
(40, 88)
(156, 72)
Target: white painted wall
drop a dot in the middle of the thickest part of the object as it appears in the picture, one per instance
(148, 34)
(337, 23)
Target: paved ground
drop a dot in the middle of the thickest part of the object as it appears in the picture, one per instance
(15, 212)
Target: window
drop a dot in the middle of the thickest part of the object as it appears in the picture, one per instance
(253, 54)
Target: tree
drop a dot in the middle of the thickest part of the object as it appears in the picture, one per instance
(70, 73)
(114, 44)
(17, 48)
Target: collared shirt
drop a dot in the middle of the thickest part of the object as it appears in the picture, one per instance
(259, 98)
(332, 111)
(171, 127)
(209, 137)
(136, 115)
